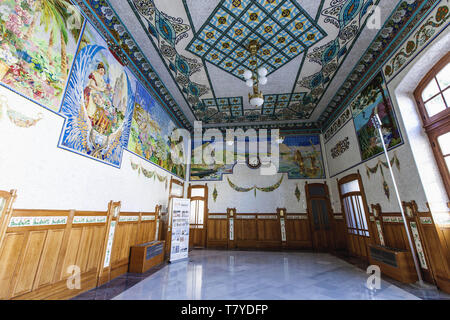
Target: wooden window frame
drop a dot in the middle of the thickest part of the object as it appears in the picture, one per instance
(362, 194)
(438, 124)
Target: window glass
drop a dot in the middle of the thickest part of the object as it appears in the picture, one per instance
(430, 91)
(447, 161)
(193, 212)
(444, 143)
(197, 192)
(352, 186)
(435, 105)
(447, 97)
(200, 213)
(443, 77)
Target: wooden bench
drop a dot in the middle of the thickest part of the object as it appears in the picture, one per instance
(395, 263)
(146, 255)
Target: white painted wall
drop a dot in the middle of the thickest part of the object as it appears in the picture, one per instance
(264, 202)
(48, 177)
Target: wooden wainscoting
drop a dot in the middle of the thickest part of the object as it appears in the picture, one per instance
(42, 249)
(388, 230)
(41, 245)
(258, 231)
(298, 231)
(340, 231)
(217, 231)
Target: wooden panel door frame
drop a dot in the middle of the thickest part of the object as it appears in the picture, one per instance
(326, 197)
(205, 212)
(362, 193)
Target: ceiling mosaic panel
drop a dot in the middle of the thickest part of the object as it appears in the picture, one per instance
(224, 28)
(283, 28)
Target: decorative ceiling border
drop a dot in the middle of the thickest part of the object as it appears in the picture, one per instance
(107, 22)
(179, 67)
(405, 18)
(332, 55)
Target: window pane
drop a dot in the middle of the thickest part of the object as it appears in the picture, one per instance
(431, 90)
(352, 186)
(193, 212)
(444, 143)
(443, 77)
(435, 106)
(197, 192)
(447, 97)
(363, 213)
(201, 208)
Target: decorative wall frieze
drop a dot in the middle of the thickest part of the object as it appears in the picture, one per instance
(267, 217)
(89, 219)
(128, 218)
(340, 148)
(16, 222)
(245, 217)
(431, 27)
(297, 217)
(338, 124)
(217, 216)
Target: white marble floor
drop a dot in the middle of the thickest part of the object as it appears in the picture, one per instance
(250, 275)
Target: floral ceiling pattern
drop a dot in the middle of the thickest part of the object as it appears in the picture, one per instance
(195, 47)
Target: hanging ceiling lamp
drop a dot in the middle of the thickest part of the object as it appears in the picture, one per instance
(256, 77)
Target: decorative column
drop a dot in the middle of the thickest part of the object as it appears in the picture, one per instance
(231, 214)
(282, 219)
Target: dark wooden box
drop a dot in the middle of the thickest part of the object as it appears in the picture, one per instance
(395, 263)
(145, 256)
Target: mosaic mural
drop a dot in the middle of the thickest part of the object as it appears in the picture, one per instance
(374, 99)
(38, 42)
(54, 56)
(300, 158)
(151, 134)
(99, 102)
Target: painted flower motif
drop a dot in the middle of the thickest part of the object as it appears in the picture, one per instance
(7, 57)
(14, 24)
(5, 12)
(441, 13)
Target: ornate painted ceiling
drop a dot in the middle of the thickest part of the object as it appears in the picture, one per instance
(193, 53)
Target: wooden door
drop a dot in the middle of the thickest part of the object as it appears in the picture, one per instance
(198, 219)
(355, 209)
(319, 212)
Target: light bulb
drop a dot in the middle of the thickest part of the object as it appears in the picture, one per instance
(263, 81)
(248, 74)
(257, 102)
(250, 82)
(262, 72)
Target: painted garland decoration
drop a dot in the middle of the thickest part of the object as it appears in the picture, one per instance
(340, 148)
(17, 118)
(380, 164)
(149, 174)
(297, 193)
(215, 193)
(265, 189)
